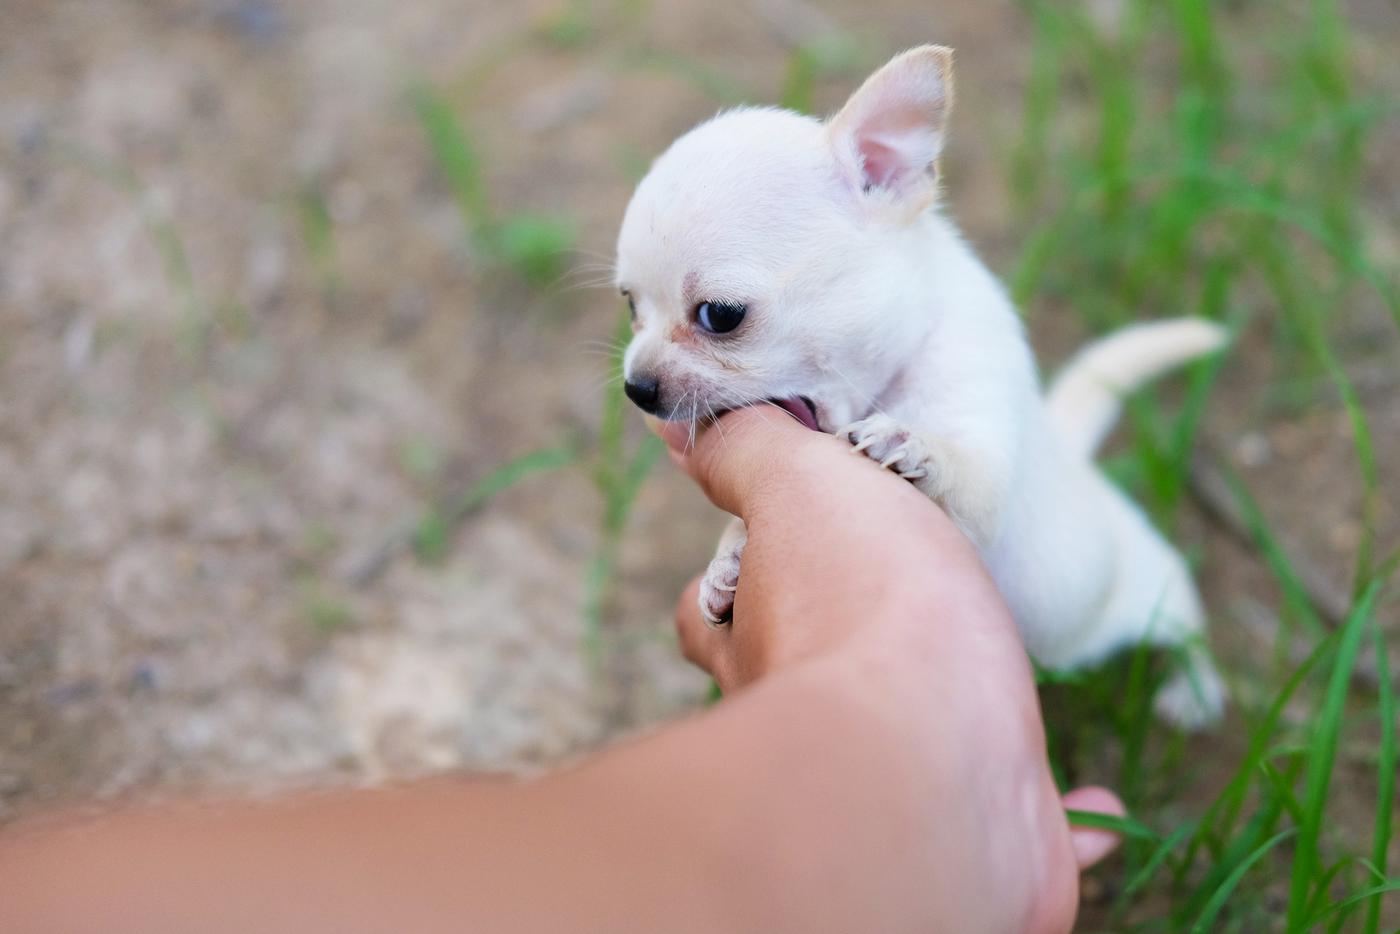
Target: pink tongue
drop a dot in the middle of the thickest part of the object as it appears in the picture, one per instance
(800, 411)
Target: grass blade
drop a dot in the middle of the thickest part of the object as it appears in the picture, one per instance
(1324, 753)
(512, 472)
(1385, 773)
(1222, 894)
(1374, 892)
(458, 161)
(430, 537)
(1159, 855)
(1124, 826)
(1225, 810)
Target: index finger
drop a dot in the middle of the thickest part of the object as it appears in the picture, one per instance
(747, 453)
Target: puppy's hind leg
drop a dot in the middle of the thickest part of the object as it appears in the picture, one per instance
(1193, 696)
(1153, 600)
(722, 576)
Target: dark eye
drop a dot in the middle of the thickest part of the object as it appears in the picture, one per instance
(631, 305)
(719, 317)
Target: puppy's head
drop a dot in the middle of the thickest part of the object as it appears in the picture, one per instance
(765, 256)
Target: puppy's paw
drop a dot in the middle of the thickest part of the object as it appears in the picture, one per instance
(719, 583)
(896, 449)
(1192, 699)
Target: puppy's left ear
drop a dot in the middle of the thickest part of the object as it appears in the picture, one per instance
(889, 134)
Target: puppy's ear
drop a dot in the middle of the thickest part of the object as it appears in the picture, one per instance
(889, 134)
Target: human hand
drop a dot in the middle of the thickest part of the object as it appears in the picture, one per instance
(839, 553)
(852, 571)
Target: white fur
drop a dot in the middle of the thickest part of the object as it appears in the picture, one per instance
(1085, 399)
(865, 300)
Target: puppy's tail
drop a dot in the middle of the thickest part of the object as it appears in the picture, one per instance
(1087, 396)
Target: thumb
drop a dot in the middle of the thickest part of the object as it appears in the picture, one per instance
(1092, 844)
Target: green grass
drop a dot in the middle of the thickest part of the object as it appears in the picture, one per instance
(1321, 759)
(322, 609)
(536, 249)
(318, 234)
(1386, 765)
(196, 316)
(572, 25)
(825, 57)
(1200, 186)
(618, 469)
(431, 536)
(534, 246)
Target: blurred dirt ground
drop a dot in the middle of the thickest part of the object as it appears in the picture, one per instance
(206, 422)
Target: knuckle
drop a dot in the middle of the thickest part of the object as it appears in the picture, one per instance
(690, 644)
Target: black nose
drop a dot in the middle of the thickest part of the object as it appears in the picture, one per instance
(646, 393)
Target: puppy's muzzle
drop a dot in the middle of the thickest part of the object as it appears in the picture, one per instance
(646, 393)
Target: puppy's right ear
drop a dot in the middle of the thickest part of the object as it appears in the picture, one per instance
(889, 134)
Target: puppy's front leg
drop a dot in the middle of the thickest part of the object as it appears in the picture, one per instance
(722, 576)
(968, 487)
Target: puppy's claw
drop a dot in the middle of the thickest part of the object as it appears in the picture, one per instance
(718, 585)
(895, 457)
(881, 439)
(711, 620)
(716, 606)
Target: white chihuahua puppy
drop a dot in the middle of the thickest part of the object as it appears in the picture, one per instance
(768, 256)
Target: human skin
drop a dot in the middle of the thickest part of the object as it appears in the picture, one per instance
(878, 763)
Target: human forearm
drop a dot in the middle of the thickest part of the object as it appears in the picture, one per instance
(748, 817)
(878, 763)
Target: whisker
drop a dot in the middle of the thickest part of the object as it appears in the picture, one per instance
(604, 382)
(870, 399)
(565, 287)
(690, 443)
(716, 424)
(604, 347)
(598, 273)
(593, 254)
(676, 408)
(597, 266)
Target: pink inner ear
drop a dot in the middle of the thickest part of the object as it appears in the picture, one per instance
(896, 149)
(879, 163)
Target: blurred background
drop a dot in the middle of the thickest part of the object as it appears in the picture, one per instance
(313, 465)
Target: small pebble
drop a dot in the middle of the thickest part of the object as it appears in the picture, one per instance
(1253, 450)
